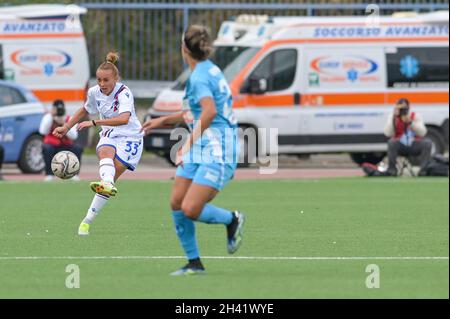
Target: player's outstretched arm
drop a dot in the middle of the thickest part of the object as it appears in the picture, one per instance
(161, 121)
(122, 119)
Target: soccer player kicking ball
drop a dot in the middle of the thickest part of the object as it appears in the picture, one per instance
(208, 159)
(121, 143)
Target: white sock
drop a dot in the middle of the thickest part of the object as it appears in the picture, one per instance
(107, 170)
(96, 206)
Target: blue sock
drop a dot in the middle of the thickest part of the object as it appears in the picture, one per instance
(185, 230)
(215, 215)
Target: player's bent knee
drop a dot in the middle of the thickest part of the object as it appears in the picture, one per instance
(190, 211)
(175, 204)
(105, 152)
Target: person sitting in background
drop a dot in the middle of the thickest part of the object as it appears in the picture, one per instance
(406, 131)
(52, 144)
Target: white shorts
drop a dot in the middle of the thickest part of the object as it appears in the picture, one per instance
(128, 149)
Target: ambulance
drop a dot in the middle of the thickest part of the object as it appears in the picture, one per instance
(326, 84)
(43, 48)
(43, 57)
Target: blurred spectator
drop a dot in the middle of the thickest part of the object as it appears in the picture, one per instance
(52, 144)
(2, 154)
(406, 131)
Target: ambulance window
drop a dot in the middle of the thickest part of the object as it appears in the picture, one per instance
(230, 60)
(224, 55)
(10, 96)
(278, 68)
(262, 71)
(284, 67)
(418, 67)
(233, 68)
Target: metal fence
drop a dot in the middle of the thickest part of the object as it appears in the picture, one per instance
(147, 33)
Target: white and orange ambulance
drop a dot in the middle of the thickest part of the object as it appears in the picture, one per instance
(327, 84)
(43, 48)
(42, 51)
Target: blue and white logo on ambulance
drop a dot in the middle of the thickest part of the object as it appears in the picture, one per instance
(47, 62)
(347, 68)
(409, 66)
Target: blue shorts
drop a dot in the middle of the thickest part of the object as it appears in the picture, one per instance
(215, 175)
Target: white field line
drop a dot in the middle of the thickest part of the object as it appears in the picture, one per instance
(219, 257)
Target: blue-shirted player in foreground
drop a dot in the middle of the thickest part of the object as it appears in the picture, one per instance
(208, 159)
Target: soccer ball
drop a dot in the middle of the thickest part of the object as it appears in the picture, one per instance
(65, 165)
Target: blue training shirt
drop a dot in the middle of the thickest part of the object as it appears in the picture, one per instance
(219, 141)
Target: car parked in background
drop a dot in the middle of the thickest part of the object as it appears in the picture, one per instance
(20, 116)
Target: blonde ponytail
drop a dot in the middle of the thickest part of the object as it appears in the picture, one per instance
(112, 57)
(110, 63)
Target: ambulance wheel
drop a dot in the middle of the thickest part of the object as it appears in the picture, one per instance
(372, 158)
(437, 140)
(31, 159)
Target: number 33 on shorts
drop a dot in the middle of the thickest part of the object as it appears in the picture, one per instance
(129, 152)
(132, 147)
